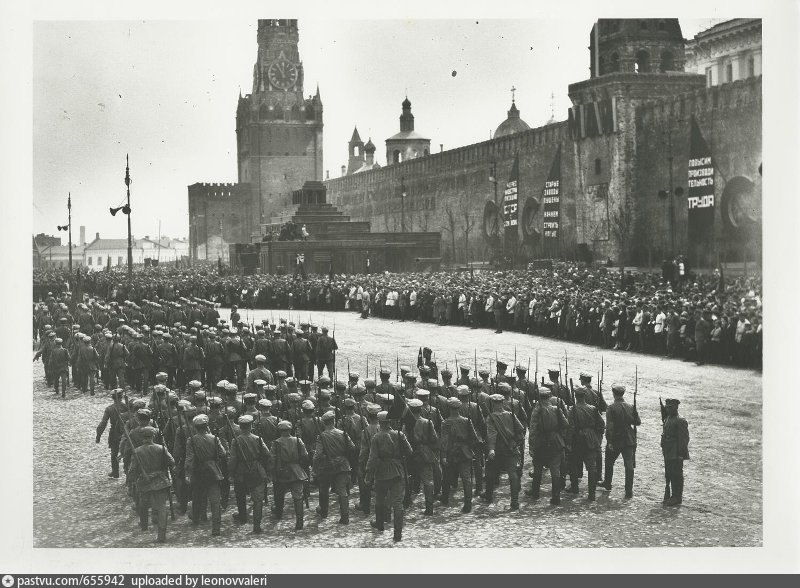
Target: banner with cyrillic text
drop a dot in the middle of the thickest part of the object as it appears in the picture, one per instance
(700, 193)
(551, 200)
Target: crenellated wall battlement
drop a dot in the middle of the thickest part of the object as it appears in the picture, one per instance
(218, 190)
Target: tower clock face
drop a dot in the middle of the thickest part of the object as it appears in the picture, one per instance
(282, 74)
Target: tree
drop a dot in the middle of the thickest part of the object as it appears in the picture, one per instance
(449, 225)
(622, 228)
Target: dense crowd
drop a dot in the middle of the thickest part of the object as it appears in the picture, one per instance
(704, 318)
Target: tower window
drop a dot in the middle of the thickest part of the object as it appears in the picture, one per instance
(709, 77)
(355, 151)
(396, 156)
(728, 72)
(597, 166)
(642, 64)
(667, 63)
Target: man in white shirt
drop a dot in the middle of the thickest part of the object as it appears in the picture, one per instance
(462, 308)
(412, 304)
(511, 306)
(658, 329)
(637, 327)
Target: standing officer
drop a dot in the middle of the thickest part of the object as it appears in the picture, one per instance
(621, 439)
(458, 439)
(675, 447)
(504, 434)
(326, 347)
(203, 454)
(291, 458)
(248, 462)
(150, 470)
(118, 414)
(58, 364)
(586, 426)
(331, 466)
(385, 466)
(546, 443)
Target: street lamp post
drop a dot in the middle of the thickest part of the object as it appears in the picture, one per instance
(126, 210)
(402, 205)
(68, 227)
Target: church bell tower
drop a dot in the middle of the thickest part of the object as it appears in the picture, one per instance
(278, 130)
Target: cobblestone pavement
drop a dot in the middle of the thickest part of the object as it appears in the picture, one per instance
(77, 505)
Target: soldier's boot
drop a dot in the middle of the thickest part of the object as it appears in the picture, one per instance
(667, 494)
(114, 467)
(445, 496)
(277, 512)
(592, 486)
(322, 509)
(344, 510)
(215, 525)
(535, 486)
(573, 485)
(298, 514)
(428, 501)
(677, 492)
(628, 483)
(366, 503)
(257, 512)
(162, 526)
(378, 522)
(143, 519)
(478, 482)
(608, 476)
(162, 535)
(398, 525)
(555, 497)
(599, 468)
(241, 506)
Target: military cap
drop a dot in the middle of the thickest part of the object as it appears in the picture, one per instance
(410, 376)
(462, 390)
(147, 432)
(200, 419)
(139, 403)
(116, 392)
(52, 334)
(167, 336)
(324, 329)
(63, 319)
(231, 387)
(386, 372)
(199, 395)
(293, 397)
(672, 402)
(284, 426)
(504, 387)
(483, 372)
(423, 394)
(340, 385)
(385, 397)
(414, 403)
(358, 390)
(260, 357)
(585, 376)
(369, 383)
(324, 393)
(354, 375)
(618, 390)
(222, 383)
(280, 374)
(264, 403)
(397, 387)
(497, 397)
(383, 416)
(447, 373)
(260, 383)
(349, 402)
(373, 409)
(324, 381)
(195, 384)
(161, 376)
(159, 389)
(305, 383)
(215, 401)
(552, 372)
(433, 382)
(143, 412)
(245, 419)
(522, 368)
(270, 388)
(231, 411)
(307, 405)
(329, 416)
(59, 339)
(454, 403)
(249, 396)
(502, 364)
(404, 368)
(580, 391)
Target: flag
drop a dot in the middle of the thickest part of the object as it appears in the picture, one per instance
(700, 193)
(551, 199)
(510, 200)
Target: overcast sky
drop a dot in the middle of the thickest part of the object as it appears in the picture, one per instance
(165, 92)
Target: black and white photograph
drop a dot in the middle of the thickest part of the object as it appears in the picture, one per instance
(352, 281)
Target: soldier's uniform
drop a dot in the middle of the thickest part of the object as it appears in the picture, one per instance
(473, 413)
(622, 418)
(365, 486)
(458, 440)
(150, 470)
(58, 364)
(425, 445)
(326, 346)
(248, 463)
(291, 459)
(675, 448)
(167, 359)
(331, 466)
(204, 452)
(117, 414)
(595, 398)
(586, 427)
(504, 434)
(548, 425)
(386, 467)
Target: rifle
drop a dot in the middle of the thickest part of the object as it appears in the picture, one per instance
(572, 390)
(397, 372)
(513, 369)
(635, 390)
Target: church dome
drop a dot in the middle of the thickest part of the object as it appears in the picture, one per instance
(513, 124)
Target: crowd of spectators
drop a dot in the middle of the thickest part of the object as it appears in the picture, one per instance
(701, 318)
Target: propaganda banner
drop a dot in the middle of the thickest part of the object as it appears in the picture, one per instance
(511, 200)
(700, 193)
(551, 200)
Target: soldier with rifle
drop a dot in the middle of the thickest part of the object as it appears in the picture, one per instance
(547, 427)
(459, 439)
(185, 430)
(425, 451)
(504, 434)
(248, 463)
(204, 452)
(622, 420)
(594, 398)
(675, 448)
(586, 426)
(331, 466)
(472, 412)
(365, 487)
(308, 429)
(290, 461)
(116, 413)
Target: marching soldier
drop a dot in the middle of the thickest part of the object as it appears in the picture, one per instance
(331, 466)
(353, 423)
(290, 461)
(150, 471)
(58, 363)
(621, 438)
(203, 454)
(546, 443)
(527, 391)
(559, 390)
(675, 447)
(386, 469)
(586, 426)
(472, 412)
(365, 487)
(260, 372)
(325, 352)
(425, 446)
(117, 413)
(458, 439)
(385, 386)
(182, 436)
(595, 398)
(504, 433)
(193, 360)
(248, 463)
(167, 358)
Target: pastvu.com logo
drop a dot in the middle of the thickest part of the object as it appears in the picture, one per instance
(8, 581)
